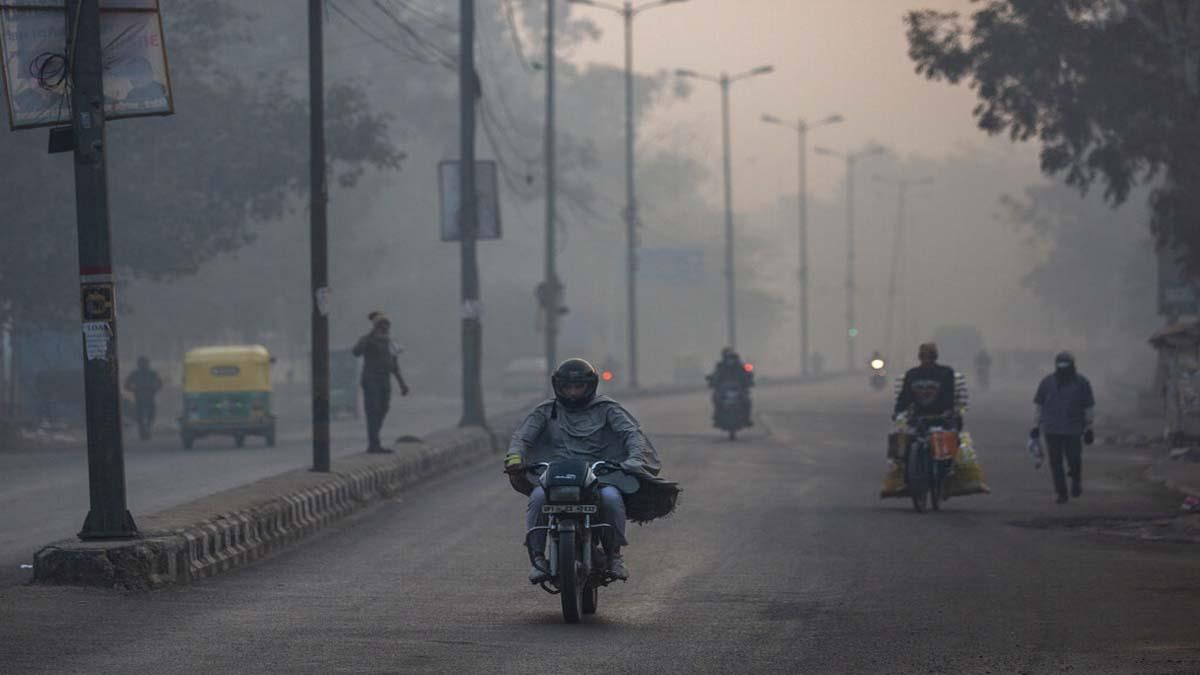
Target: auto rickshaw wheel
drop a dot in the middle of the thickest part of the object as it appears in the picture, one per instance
(187, 439)
(270, 437)
(239, 440)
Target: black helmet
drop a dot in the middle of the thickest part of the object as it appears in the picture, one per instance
(575, 371)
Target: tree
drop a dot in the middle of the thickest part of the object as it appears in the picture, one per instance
(183, 188)
(1110, 88)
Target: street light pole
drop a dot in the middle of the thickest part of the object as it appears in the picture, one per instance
(724, 81)
(898, 244)
(802, 128)
(851, 160)
(727, 172)
(553, 294)
(628, 11)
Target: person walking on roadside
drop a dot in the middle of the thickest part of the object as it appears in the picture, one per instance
(144, 383)
(380, 364)
(1066, 410)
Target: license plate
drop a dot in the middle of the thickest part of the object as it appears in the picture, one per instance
(568, 508)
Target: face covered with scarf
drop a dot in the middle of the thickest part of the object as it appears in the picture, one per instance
(1064, 366)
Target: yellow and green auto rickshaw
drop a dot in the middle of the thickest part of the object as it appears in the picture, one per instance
(227, 391)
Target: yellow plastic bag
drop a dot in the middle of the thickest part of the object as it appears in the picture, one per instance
(893, 483)
(967, 478)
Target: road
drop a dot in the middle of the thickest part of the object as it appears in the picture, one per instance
(44, 492)
(780, 558)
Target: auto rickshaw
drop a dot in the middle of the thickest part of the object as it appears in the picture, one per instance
(227, 391)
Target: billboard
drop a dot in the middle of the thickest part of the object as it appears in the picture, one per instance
(33, 39)
(487, 199)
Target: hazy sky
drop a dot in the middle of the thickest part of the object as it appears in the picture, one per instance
(843, 56)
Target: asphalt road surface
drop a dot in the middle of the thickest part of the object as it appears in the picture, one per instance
(44, 491)
(780, 558)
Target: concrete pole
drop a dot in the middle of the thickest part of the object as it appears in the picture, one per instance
(802, 196)
(318, 239)
(472, 319)
(631, 218)
(851, 329)
(552, 284)
(108, 517)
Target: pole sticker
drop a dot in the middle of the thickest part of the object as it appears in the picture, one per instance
(321, 298)
(97, 338)
(97, 302)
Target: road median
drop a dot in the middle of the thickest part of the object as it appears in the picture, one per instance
(232, 528)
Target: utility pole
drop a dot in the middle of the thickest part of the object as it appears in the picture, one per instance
(472, 319)
(552, 285)
(108, 517)
(318, 239)
(628, 11)
(801, 128)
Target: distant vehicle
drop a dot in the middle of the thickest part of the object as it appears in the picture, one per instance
(878, 373)
(526, 376)
(227, 392)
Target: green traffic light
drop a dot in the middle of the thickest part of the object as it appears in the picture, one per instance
(853, 332)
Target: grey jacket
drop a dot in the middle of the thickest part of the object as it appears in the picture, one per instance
(603, 430)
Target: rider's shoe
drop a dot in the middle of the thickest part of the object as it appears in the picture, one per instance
(539, 571)
(616, 566)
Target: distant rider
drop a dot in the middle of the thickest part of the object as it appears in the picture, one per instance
(380, 364)
(983, 368)
(731, 370)
(578, 424)
(144, 383)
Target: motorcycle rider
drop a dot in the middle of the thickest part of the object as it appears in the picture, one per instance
(731, 370)
(931, 389)
(578, 424)
(983, 368)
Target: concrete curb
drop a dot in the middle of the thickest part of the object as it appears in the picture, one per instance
(278, 517)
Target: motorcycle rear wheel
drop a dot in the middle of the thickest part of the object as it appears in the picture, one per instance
(569, 582)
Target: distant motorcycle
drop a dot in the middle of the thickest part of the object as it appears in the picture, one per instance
(732, 412)
(878, 374)
(578, 565)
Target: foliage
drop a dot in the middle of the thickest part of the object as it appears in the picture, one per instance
(186, 188)
(1109, 89)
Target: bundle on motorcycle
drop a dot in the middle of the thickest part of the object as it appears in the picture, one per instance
(954, 464)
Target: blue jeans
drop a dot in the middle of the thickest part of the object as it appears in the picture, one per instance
(612, 511)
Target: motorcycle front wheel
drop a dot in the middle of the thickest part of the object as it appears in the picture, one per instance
(568, 578)
(917, 477)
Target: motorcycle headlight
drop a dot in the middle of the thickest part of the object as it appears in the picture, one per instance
(563, 493)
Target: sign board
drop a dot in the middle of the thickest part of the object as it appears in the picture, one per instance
(33, 39)
(487, 199)
(1178, 292)
(684, 265)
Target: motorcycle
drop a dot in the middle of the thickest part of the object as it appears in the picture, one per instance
(578, 564)
(929, 462)
(732, 408)
(878, 374)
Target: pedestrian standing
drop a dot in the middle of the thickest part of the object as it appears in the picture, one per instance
(1066, 410)
(144, 383)
(380, 364)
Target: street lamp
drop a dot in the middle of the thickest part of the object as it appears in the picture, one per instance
(851, 159)
(724, 80)
(627, 12)
(801, 128)
(902, 184)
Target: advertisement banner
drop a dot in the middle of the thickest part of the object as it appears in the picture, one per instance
(33, 38)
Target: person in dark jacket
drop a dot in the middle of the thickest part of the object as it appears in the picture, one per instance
(1065, 411)
(144, 383)
(927, 390)
(380, 365)
(731, 370)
